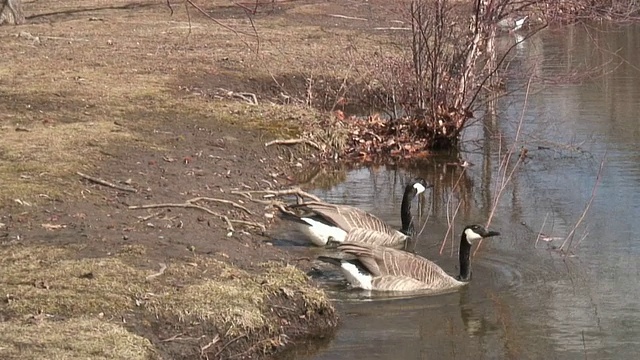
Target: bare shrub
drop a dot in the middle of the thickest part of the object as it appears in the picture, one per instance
(578, 10)
(434, 88)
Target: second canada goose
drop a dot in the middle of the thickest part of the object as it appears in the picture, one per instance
(328, 222)
(385, 269)
(512, 24)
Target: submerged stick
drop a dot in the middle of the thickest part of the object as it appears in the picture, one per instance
(569, 239)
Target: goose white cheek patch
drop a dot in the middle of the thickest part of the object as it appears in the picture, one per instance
(419, 188)
(472, 235)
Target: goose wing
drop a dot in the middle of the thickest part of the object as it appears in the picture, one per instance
(397, 283)
(394, 263)
(347, 217)
(374, 237)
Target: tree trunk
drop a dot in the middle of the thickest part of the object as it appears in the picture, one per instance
(11, 12)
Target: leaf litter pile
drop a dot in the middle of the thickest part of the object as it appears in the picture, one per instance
(373, 137)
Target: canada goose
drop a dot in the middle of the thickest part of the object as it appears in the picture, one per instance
(512, 24)
(328, 222)
(386, 269)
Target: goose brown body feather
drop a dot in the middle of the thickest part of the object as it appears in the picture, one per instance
(322, 222)
(348, 217)
(397, 270)
(374, 267)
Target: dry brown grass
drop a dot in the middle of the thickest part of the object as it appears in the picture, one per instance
(70, 85)
(43, 281)
(236, 300)
(88, 78)
(48, 280)
(80, 338)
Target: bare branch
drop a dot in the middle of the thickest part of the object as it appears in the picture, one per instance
(271, 193)
(106, 183)
(185, 205)
(292, 142)
(218, 22)
(223, 201)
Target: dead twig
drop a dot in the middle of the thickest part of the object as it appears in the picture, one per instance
(146, 218)
(163, 268)
(185, 205)
(272, 193)
(313, 144)
(451, 217)
(393, 28)
(569, 239)
(210, 344)
(250, 223)
(206, 14)
(106, 183)
(251, 98)
(223, 201)
(506, 175)
(174, 337)
(540, 232)
(229, 343)
(347, 17)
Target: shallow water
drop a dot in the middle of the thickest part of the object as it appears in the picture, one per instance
(526, 299)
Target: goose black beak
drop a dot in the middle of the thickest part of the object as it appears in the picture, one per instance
(490, 233)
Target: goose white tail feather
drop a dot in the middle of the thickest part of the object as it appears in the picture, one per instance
(320, 233)
(356, 277)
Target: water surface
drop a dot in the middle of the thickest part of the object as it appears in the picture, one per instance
(527, 300)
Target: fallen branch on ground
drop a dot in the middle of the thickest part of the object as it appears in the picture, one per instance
(250, 98)
(190, 204)
(235, 205)
(348, 17)
(272, 193)
(106, 183)
(393, 28)
(163, 268)
(250, 223)
(146, 218)
(293, 142)
(185, 205)
(208, 345)
(228, 343)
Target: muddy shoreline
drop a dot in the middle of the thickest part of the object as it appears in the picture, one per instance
(198, 162)
(101, 91)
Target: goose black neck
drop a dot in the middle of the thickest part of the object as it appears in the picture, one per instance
(405, 210)
(465, 261)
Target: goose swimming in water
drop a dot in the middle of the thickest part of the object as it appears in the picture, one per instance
(386, 269)
(328, 222)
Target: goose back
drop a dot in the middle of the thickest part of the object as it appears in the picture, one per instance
(373, 237)
(347, 217)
